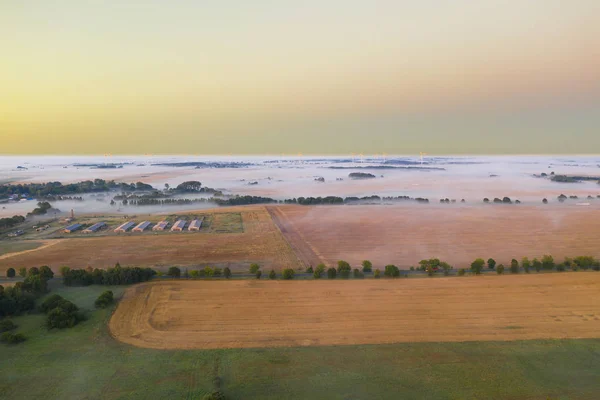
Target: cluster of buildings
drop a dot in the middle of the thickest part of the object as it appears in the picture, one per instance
(179, 226)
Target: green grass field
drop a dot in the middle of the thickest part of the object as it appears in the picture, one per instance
(14, 246)
(85, 362)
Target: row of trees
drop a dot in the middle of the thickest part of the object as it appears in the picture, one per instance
(21, 297)
(43, 190)
(546, 263)
(111, 276)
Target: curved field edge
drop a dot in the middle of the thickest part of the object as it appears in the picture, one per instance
(86, 362)
(264, 314)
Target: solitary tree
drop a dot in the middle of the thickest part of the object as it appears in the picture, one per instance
(477, 265)
(491, 263)
(227, 272)
(288, 273)
(367, 266)
(331, 273)
(391, 271)
(272, 274)
(514, 266)
(254, 267)
(10, 273)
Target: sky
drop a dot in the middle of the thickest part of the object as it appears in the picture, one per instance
(311, 77)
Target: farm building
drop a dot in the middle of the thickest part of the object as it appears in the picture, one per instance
(178, 226)
(72, 228)
(95, 228)
(125, 226)
(195, 224)
(161, 226)
(141, 226)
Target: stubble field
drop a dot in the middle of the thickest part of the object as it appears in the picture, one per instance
(405, 234)
(249, 314)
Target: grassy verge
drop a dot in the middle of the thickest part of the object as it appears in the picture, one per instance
(85, 362)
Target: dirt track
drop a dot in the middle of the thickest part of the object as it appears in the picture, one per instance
(241, 314)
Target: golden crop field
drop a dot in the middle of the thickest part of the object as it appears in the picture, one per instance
(259, 241)
(248, 313)
(405, 234)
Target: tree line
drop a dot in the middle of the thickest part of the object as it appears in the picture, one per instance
(42, 190)
(111, 276)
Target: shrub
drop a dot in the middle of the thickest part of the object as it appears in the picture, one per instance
(258, 274)
(367, 266)
(319, 271)
(272, 274)
(174, 272)
(50, 303)
(105, 299)
(377, 274)
(514, 266)
(310, 270)
(491, 263)
(215, 395)
(331, 273)
(195, 274)
(560, 267)
(358, 274)
(10, 338)
(227, 272)
(391, 271)
(288, 273)
(500, 269)
(7, 325)
(10, 273)
(477, 265)
(64, 315)
(254, 268)
(462, 272)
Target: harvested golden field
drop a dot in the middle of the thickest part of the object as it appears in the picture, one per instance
(241, 314)
(405, 234)
(259, 242)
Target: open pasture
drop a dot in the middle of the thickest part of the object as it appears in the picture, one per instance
(234, 239)
(404, 234)
(248, 314)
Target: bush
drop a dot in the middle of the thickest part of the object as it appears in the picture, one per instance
(272, 274)
(560, 267)
(104, 300)
(310, 270)
(10, 273)
(64, 315)
(331, 273)
(288, 274)
(412, 268)
(215, 395)
(7, 325)
(462, 272)
(194, 274)
(254, 268)
(227, 272)
(500, 269)
(10, 338)
(174, 272)
(50, 303)
(319, 271)
(358, 274)
(514, 266)
(377, 274)
(258, 274)
(477, 265)
(367, 266)
(491, 263)
(391, 271)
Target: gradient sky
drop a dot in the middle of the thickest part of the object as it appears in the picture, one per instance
(257, 77)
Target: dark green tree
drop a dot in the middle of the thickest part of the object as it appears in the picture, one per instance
(500, 269)
(10, 273)
(491, 263)
(331, 273)
(174, 272)
(272, 274)
(254, 268)
(288, 273)
(227, 272)
(477, 265)
(514, 266)
(367, 266)
(391, 271)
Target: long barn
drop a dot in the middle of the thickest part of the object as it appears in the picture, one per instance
(125, 227)
(161, 226)
(94, 228)
(73, 228)
(141, 226)
(178, 226)
(196, 224)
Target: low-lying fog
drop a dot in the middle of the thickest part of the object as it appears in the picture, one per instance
(471, 178)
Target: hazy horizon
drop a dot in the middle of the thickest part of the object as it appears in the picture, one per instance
(456, 78)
